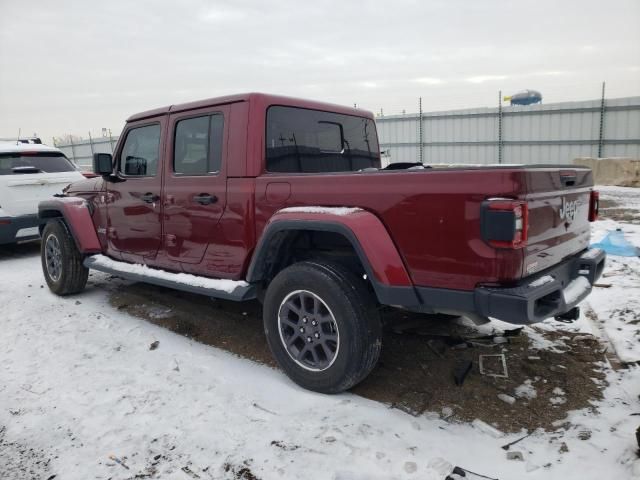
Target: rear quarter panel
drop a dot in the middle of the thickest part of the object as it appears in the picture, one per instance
(432, 217)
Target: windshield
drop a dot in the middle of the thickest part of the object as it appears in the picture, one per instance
(313, 141)
(14, 163)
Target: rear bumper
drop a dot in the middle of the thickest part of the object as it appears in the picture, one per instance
(10, 228)
(546, 294)
(552, 293)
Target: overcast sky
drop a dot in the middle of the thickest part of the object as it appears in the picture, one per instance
(74, 66)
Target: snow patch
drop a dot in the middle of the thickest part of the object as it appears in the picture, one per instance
(340, 211)
(591, 253)
(220, 284)
(575, 289)
(541, 281)
(526, 390)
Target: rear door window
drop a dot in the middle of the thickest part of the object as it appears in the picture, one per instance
(140, 153)
(301, 140)
(198, 145)
(15, 163)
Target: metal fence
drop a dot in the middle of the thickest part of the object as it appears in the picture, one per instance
(545, 133)
(81, 151)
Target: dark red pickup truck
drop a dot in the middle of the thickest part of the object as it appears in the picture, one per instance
(284, 200)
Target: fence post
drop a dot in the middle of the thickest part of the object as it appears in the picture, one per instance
(500, 126)
(421, 156)
(73, 150)
(91, 144)
(601, 134)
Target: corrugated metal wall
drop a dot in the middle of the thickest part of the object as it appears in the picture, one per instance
(547, 133)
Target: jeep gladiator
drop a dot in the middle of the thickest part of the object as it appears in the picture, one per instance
(284, 200)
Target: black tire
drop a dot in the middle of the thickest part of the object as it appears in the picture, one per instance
(71, 275)
(347, 301)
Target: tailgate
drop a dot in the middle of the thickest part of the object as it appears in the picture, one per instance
(20, 194)
(558, 200)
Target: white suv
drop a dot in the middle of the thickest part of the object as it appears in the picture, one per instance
(29, 173)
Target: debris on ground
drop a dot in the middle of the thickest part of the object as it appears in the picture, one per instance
(493, 366)
(190, 472)
(510, 444)
(154, 345)
(515, 455)
(461, 371)
(118, 461)
(507, 398)
(614, 243)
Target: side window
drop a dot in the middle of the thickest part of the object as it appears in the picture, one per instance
(140, 153)
(300, 140)
(197, 147)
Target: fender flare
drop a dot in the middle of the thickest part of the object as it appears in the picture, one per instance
(77, 217)
(364, 231)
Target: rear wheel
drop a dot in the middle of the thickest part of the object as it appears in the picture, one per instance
(322, 326)
(61, 261)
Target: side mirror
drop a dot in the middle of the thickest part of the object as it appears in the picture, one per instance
(102, 164)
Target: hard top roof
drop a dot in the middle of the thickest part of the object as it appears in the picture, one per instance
(263, 99)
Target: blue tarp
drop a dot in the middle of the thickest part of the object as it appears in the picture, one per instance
(614, 243)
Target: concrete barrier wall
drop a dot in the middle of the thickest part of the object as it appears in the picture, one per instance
(623, 172)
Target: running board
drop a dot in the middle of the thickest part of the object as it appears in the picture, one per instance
(212, 287)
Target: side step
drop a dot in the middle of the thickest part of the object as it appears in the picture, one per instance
(212, 287)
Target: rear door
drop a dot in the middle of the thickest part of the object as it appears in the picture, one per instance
(134, 206)
(195, 181)
(558, 201)
(28, 177)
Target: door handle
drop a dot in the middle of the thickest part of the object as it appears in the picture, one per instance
(149, 197)
(205, 199)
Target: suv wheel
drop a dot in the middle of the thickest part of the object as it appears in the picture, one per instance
(322, 326)
(61, 261)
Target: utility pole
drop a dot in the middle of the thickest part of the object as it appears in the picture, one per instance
(500, 126)
(420, 129)
(601, 134)
(91, 144)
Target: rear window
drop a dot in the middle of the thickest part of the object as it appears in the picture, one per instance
(15, 163)
(300, 140)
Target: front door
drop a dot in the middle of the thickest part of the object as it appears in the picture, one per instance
(134, 206)
(195, 183)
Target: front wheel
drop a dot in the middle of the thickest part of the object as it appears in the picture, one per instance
(61, 261)
(322, 326)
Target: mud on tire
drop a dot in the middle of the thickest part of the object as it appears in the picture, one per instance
(61, 261)
(322, 325)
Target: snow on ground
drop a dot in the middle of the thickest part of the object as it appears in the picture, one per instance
(624, 197)
(79, 383)
(617, 307)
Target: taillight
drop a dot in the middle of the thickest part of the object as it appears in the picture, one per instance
(594, 206)
(505, 223)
